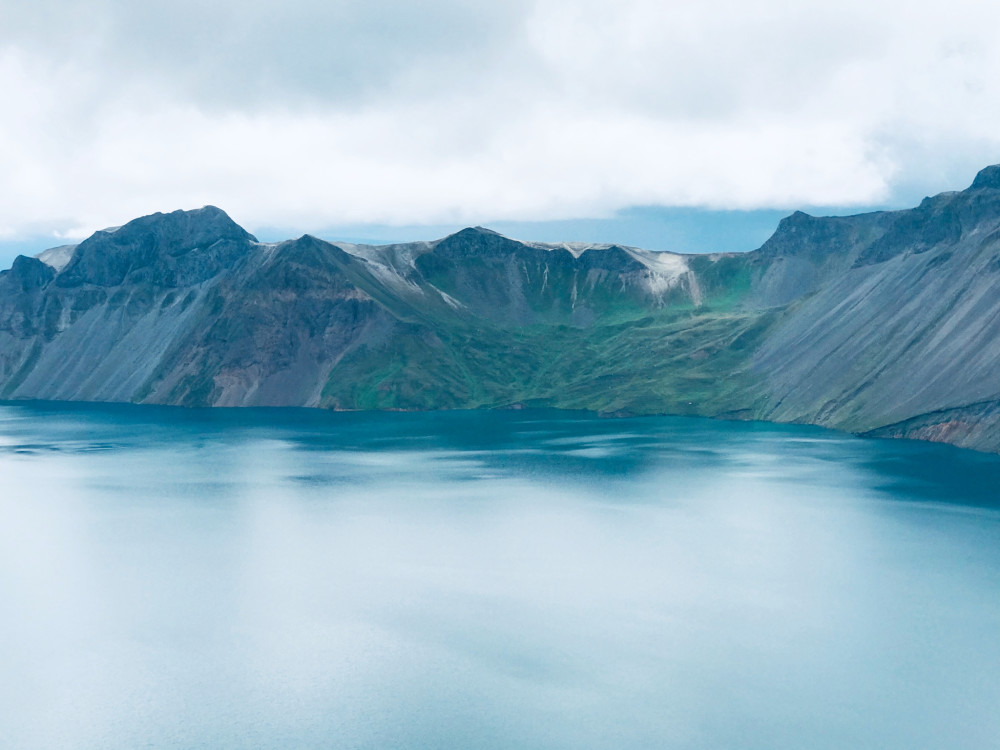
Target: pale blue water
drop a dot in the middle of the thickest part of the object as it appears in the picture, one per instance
(294, 579)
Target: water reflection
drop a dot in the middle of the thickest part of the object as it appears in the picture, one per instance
(289, 578)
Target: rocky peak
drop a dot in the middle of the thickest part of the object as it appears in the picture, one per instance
(614, 258)
(178, 247)
(797, 219)
(181, 231)
(311, 249)
(801, 234)
(476, 241)
(987, 179)
(28, 273)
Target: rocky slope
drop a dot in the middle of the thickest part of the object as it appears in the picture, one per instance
(902, 335)
(884, 323)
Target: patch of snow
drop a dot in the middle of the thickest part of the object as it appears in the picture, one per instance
(451, 301)
(666, 270)
(576, 249)
(391, 277)
(399, 256)
(57, 257)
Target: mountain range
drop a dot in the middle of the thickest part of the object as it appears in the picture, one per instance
(884, 323)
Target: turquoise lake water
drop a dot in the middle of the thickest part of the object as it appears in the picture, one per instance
(297, 579)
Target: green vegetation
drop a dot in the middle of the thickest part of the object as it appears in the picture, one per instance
(725, 280)
(681, 362)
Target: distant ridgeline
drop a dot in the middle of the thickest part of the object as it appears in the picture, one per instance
(885, 323)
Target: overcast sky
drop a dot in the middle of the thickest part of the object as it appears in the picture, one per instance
(312, 114)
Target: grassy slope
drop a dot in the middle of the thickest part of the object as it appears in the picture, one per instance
(680, 359)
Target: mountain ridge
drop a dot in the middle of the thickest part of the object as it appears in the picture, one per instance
(886, 323)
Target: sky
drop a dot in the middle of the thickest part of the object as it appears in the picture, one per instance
(669, 125)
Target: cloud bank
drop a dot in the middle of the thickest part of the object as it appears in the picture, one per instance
(312, 114)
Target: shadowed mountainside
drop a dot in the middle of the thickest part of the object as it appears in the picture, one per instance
(885, 322)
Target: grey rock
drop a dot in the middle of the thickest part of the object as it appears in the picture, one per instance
(885, 323)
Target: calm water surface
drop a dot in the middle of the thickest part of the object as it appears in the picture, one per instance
(291, 579)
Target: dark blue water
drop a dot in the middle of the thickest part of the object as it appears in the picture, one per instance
(294, 579)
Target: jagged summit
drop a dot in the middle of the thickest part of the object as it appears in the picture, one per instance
(28, 273)
(885, 321)
(190, 227)
(160, 248)
(802, 234)
(475, 241)
(481, 230)
(988, 178)
(472, 234)
(796, 222)
(797, 218)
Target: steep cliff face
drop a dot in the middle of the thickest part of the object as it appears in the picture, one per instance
(187, 308)
(886, 323)
(910, 328)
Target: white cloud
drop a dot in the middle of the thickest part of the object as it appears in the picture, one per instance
(310, 114)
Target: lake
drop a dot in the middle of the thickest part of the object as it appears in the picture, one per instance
(287, 579)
